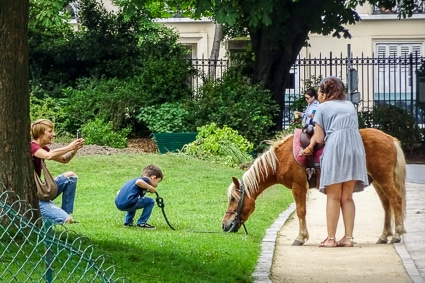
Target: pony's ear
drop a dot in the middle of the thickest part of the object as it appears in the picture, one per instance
(236, 182)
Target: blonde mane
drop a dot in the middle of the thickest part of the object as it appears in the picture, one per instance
(259, 169)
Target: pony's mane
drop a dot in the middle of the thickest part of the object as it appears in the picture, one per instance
(258, 169)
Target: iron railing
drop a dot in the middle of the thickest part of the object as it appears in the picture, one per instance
(391, 80)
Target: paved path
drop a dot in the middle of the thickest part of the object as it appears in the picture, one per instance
(366, 262)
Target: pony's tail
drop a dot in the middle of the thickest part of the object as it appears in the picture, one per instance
(400, 175)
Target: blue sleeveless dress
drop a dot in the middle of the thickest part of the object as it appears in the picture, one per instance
(344, 156)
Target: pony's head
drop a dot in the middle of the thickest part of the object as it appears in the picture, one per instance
(240, 206)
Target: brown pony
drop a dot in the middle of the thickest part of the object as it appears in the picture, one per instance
(385, 164)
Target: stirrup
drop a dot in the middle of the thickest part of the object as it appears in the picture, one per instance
(310, 172)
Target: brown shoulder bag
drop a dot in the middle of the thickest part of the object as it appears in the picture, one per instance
(47, 189)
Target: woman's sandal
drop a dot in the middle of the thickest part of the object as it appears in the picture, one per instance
(327, 240)
(307, 151)
(347, 244)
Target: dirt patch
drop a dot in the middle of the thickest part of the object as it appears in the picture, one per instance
(140, 145)
(146, 145)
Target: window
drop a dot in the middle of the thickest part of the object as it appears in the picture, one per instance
(395, 74)
(72, 9)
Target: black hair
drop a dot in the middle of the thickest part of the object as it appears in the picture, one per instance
(311, 92)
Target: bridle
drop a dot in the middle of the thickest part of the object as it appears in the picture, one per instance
(237, 220)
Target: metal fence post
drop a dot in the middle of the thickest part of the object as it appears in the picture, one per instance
(48, 256)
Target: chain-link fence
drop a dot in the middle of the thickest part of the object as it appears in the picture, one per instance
(41, 252)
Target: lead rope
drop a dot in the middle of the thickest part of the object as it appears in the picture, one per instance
(160, 203)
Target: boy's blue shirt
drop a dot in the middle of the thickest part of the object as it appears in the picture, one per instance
(130, 193)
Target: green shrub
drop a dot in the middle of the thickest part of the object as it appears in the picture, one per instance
(100, 133)
(111, 67)
(394, 121)
(165, 79)
(49, 108)
(223, 145)
(169, 117)
(235, 102)
(107, 99)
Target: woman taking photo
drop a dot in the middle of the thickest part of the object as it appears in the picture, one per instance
(42, 132)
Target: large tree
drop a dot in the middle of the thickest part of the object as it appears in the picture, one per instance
(16, 169)
(278, 29)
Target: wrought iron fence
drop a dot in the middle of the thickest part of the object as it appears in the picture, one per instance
(207, 69)
(41, 252)
(391, 80)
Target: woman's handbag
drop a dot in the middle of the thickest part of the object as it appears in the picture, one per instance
(48, 189)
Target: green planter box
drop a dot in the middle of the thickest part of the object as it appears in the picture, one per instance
(173, 142)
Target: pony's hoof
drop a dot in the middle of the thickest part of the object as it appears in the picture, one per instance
(395, 240)
(298, 243)
(380, 241)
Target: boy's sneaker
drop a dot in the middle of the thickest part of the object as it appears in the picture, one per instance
(146, 226)
(128, 224)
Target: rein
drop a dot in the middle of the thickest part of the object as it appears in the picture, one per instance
(237, 220)
(160, 203)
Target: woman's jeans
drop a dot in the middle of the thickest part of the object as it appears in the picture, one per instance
(67, 187)
(147, 204)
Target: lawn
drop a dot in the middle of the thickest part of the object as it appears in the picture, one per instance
(195, 198)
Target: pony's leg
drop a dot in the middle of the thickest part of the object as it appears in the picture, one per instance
(393, 203)
(300, 196)
(387, 166)
(400, 185)
(397, 204)
(383, 239)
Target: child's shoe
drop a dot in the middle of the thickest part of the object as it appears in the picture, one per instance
(146, 226)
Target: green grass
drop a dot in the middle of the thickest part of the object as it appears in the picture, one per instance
(195, 198)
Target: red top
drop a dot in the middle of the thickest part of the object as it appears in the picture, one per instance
(36, 160)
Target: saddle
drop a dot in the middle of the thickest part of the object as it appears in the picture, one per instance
(311, 163)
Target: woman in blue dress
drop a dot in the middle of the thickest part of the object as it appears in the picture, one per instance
(343, 162)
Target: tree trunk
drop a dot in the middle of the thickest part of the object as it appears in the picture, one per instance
(272, 67)
(16, 169)
(215, 51)
(276, 48)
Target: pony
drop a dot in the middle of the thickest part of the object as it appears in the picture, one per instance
(386, 168)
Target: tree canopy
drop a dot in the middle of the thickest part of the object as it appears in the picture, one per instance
(278, 29)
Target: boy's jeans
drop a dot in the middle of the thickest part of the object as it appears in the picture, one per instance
(147, 204)
(67, 187)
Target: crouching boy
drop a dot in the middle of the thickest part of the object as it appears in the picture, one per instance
(132, 197)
